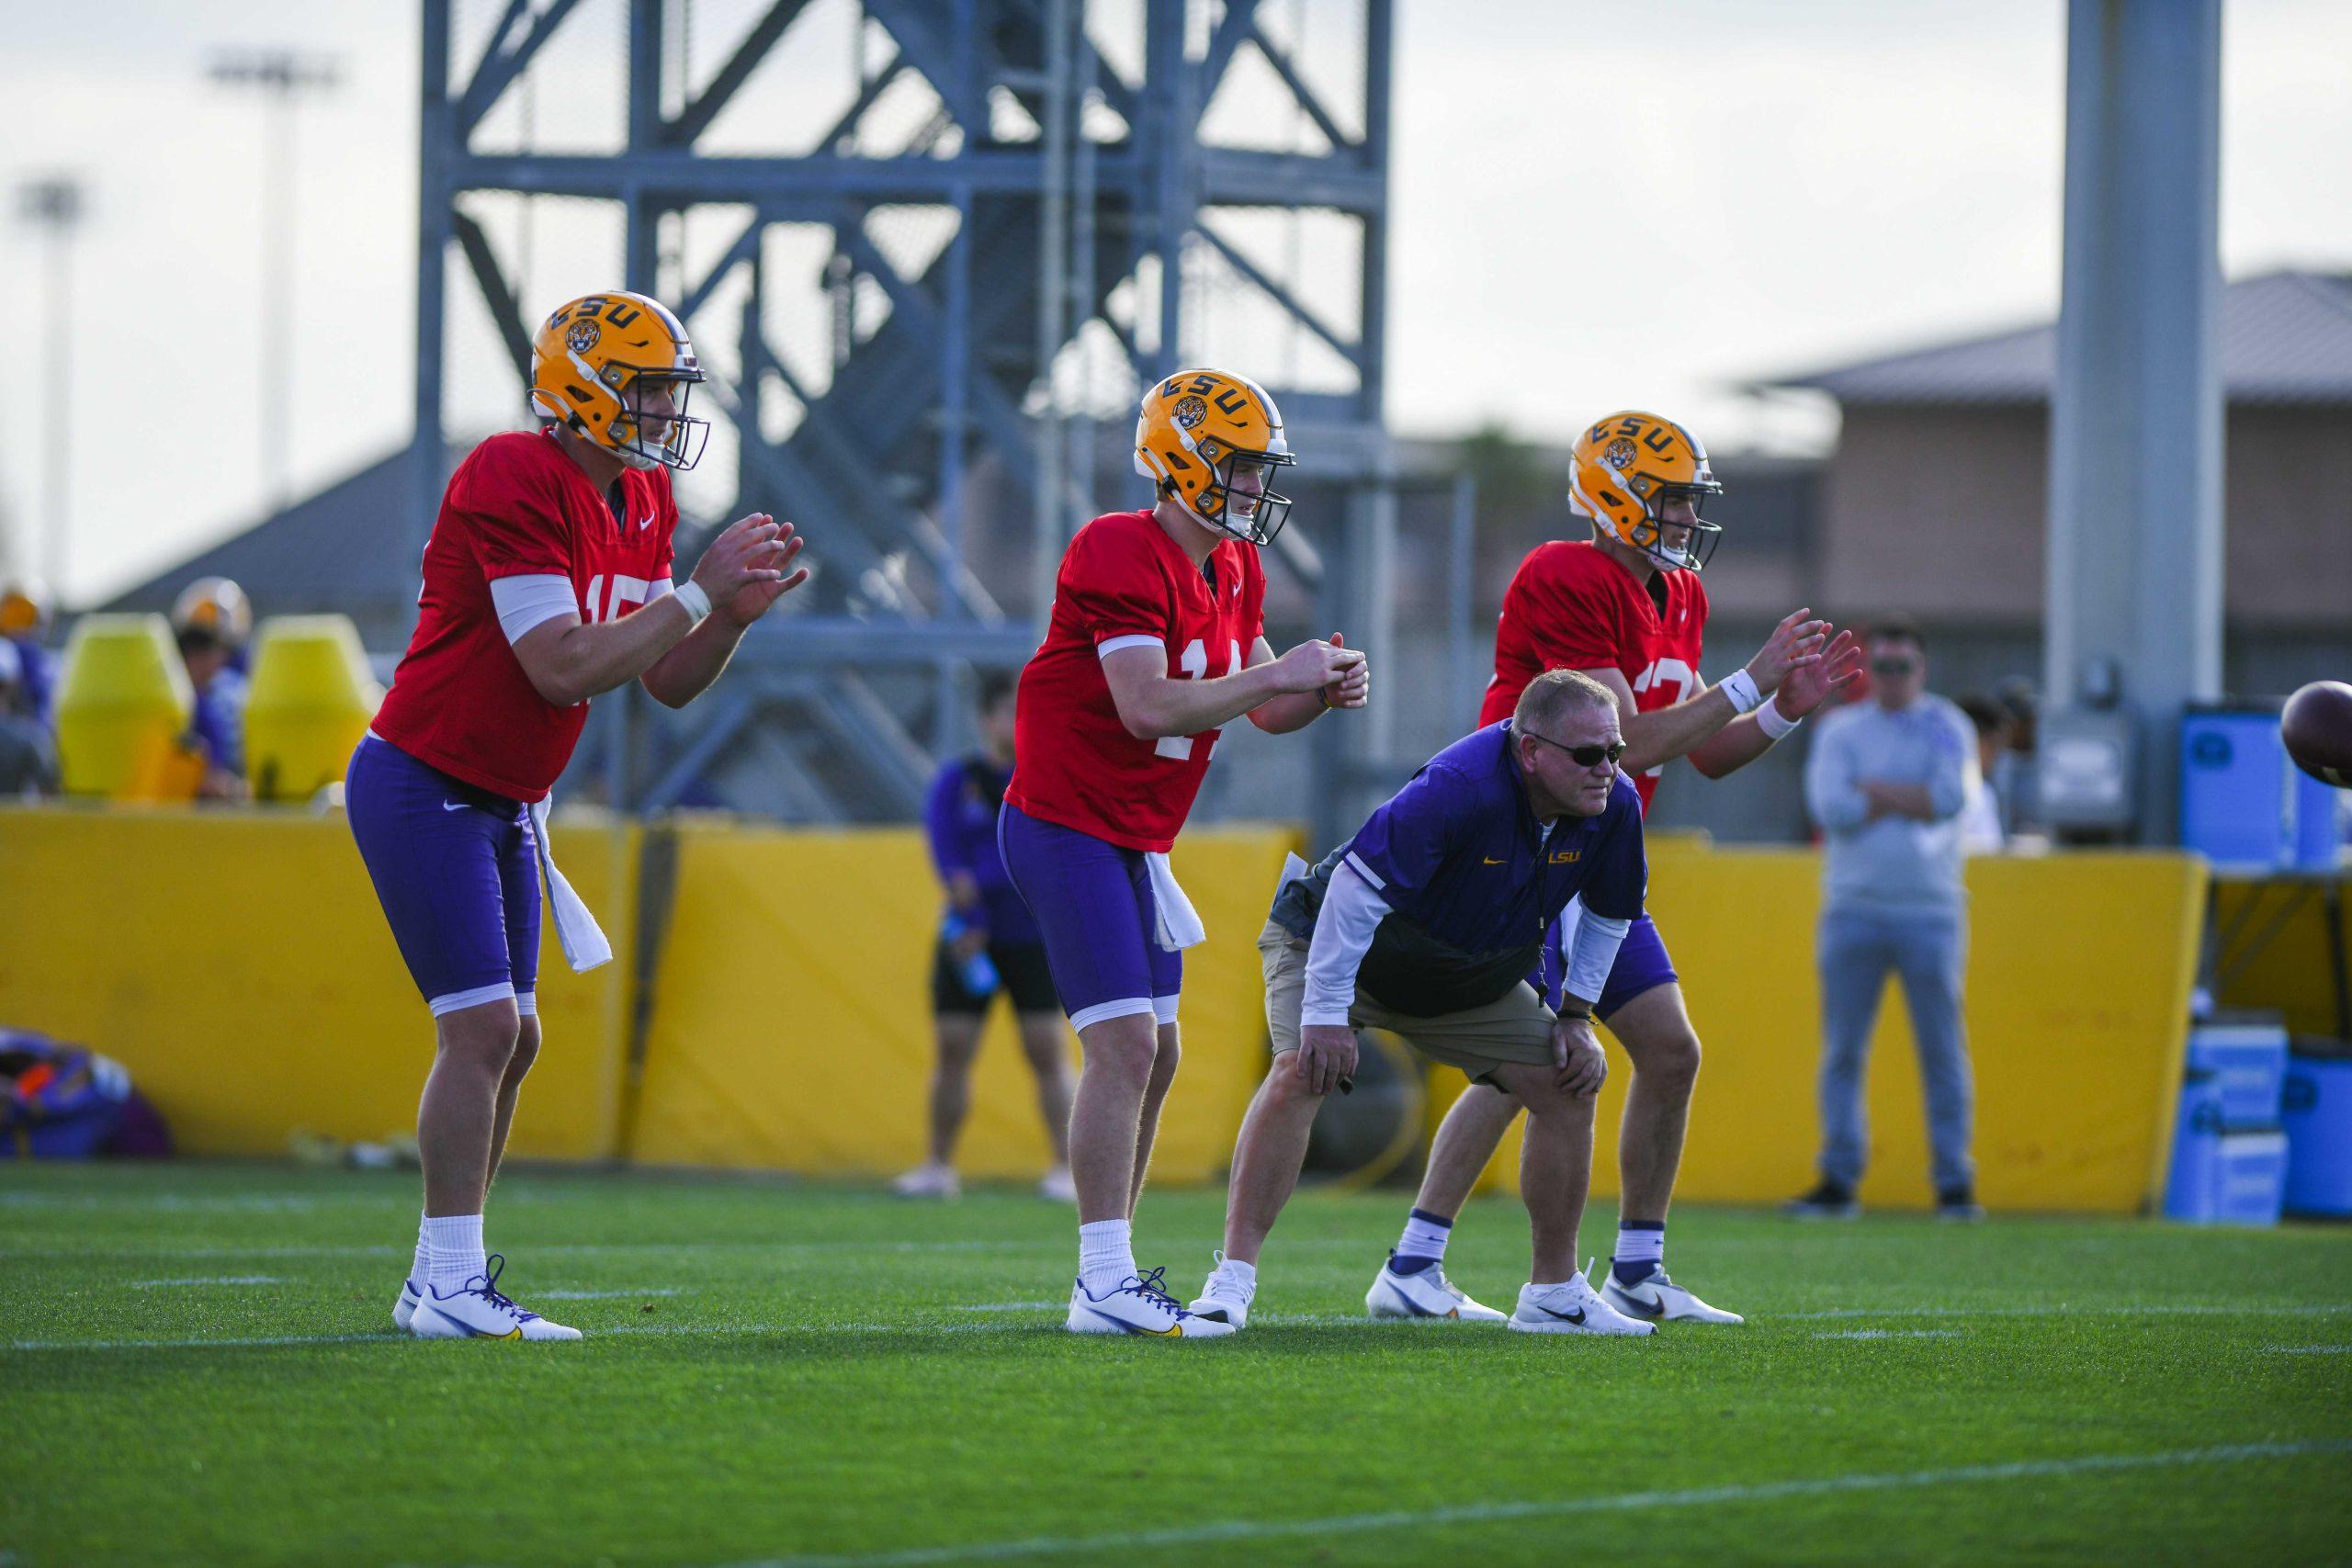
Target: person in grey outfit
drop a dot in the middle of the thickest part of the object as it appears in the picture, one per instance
(1887, 781)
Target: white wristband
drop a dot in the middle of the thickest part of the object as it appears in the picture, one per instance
(1740, 687)
(690, 594)
(1773, 723)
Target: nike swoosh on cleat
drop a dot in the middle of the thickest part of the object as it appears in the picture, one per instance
(1414, 1307)
(1126, 1327)
(1576, 1316)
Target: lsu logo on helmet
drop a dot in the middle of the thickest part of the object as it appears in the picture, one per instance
(1627, 469)
(616, 370)
(1211, 442)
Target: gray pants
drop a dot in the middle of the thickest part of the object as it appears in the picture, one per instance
(1858, 947)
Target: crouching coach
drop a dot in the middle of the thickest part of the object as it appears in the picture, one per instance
(1430, 923)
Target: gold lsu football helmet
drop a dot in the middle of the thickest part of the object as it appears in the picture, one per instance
(594, 366)
(1625, 470)
(1199, 433)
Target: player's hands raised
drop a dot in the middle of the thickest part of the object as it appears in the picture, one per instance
(748, 567)
(1326, 1056)
(1808, 686)
(1577, 1053)
(1352, 690)
(1311, 666)
(1794, 644)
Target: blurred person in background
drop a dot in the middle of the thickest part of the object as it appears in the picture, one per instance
(2018, 781)
(213, 622)
(216, 729)
(28, 757)
(1980, 833)
(1888, 783)
(24, 614)
(988, 947)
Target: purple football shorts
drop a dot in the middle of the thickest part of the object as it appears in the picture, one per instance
(456, 870)
(1095, 909)
(1642, 964)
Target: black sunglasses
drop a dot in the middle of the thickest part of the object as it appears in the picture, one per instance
(1583, 756)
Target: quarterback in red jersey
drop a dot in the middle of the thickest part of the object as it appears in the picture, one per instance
(547, 581)
(1157, 638)
(1627, 609)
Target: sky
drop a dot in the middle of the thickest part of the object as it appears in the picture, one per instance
(1594, 206)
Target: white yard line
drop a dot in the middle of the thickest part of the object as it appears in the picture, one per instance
(210, 1280)
(1013, 1306)
(2310, 1349)
(1240, 1531)
(599, 1295)
(1003, 1321)
(1890, 1334)
(559, 1249)
(2159, 1309)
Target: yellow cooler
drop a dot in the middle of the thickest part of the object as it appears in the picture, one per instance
(311, 702)
(121, 709)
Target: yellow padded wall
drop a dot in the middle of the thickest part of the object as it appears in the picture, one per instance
(792, 1010)
(2079, 970)
(237, 964)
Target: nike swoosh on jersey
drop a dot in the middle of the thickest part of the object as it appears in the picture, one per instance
(455, 806)
(1491, 860)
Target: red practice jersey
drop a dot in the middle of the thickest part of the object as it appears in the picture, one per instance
(516, 507)
(1125, 583)
(1571, 607)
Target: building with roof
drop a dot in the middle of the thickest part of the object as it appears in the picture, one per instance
(1934, 501)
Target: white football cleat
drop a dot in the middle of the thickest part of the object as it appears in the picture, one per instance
(1058, 1186)
(476, 1311)
(1137, 1305)
(404, 1306)
(1226, 1296)
(928, 1181)
(1427, 1293)
(1571, 1308)
(1659, 1300)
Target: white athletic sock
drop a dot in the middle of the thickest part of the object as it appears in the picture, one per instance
(454, 1243)
(1645, 1244)
(422, 1270)
(1425, 1236)
(1105, 1255)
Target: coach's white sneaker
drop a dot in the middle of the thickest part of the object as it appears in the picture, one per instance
(1137, 1306)
(1227, 1297)
(1571, 1308)
(1424, 1293)
(404, 1305)
(476, 1311)
(1659, 1300)
(1058, 1186)
(928, 1181)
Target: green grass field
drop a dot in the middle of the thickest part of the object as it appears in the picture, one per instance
(197, 1364)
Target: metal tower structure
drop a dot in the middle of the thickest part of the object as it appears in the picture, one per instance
(1090, 223)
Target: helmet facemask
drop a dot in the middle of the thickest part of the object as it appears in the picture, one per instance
(1698, 546)
(1250, 511)
(647, 440)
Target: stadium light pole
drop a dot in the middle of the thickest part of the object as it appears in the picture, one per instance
(281, 76)
(53, 203)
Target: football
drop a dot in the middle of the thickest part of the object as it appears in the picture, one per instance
(2317, 728)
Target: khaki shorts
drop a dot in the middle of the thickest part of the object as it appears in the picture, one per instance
(1516, 1030)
